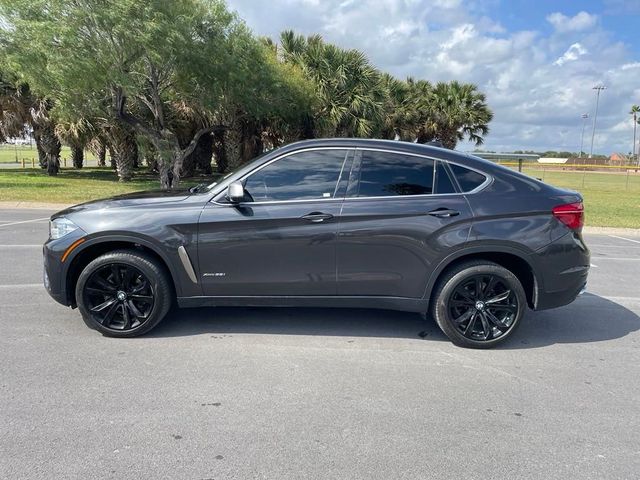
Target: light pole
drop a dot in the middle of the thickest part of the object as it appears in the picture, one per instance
(598, 89)
(585, 116)
(635, 109)
(635, 124)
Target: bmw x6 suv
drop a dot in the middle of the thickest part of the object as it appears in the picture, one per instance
(329, 223)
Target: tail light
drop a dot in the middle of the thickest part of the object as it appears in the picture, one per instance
(571, 214)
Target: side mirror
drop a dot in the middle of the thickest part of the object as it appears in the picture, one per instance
(235, 192)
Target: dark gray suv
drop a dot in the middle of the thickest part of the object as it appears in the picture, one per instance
(332, 223)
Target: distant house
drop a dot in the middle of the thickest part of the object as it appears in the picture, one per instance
(618, 159)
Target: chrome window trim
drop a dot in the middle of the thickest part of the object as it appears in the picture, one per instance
(482, 186)
(478, 189)
(284, 155)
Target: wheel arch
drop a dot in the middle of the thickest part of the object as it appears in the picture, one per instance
(514, 260)
(96, 247)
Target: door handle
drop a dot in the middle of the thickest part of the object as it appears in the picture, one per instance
(443, 213)
(317, 217)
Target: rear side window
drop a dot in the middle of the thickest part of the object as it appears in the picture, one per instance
(384, 174)
(467, 179)
(306, 175)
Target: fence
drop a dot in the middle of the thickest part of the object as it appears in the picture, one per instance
(583, 176)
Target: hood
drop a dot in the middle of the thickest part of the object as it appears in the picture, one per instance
(148, 197)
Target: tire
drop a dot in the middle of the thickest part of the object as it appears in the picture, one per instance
(123, 293)
(478, 304)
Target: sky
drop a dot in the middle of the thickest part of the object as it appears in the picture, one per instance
(536, 60)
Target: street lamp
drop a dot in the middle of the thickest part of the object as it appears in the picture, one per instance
(585, 116)
(598, 89)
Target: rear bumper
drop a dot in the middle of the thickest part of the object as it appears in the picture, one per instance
(563, 268)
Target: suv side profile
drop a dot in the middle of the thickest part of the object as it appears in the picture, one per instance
(332, 222)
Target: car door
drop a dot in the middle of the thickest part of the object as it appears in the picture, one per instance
(401, 215)
(281, 240)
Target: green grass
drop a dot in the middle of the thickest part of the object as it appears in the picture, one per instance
(611, 199)
(9, 153)
(69, 186)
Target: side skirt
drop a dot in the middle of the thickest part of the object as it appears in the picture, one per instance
(386, 303)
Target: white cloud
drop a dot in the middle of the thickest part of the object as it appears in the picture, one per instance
(574, 52)
(629, 66)
(537, 105)
(563, 23)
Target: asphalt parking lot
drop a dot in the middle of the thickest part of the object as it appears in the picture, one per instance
(299, 393)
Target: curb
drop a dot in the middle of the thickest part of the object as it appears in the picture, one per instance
(634, 232)
(35, 205)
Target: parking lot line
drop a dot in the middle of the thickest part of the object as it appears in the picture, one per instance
(24, 221)
(627, 239)
(626, 259)
(35, 245)
(601, 245)
(23, 285)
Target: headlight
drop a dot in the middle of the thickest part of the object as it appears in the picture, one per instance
(60, 227)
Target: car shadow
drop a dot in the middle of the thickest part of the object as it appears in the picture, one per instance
(590, 318)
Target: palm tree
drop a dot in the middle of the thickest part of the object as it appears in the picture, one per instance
(350, 92)
(98, 145)
(635, 109)
(19, 108)
(455, 111)
(14, 113)
(77, 135)
(122, 146)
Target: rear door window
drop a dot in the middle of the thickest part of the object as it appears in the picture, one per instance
(385, 174)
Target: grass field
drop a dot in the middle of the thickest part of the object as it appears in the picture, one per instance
(69, 186)
(9, 153)
(611, 199)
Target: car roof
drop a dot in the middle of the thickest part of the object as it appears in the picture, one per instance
(395, 145)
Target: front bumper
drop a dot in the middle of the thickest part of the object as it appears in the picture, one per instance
(563, 268)
(54, 269)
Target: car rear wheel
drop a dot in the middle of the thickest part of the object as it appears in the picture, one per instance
(123, 293)
(478, 304)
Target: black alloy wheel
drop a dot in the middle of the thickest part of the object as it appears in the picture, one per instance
(119, 296)
(124, 293)
(483, 307)
(478, 304)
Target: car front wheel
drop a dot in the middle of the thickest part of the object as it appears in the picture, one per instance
(478, 304)
(123, 293)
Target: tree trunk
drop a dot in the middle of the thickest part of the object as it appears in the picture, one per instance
(449, 138)
(220, 152)
(200, 158)
(252, 144)
(151, 157)
(189, 165)
(233, 146)
(77, 156)
(123, 150)
(102, 154)
(166, 167)
(42, 156)
(112, 157)
(51, 147)
(203, 153)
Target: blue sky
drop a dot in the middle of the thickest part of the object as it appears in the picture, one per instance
(537, 60)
